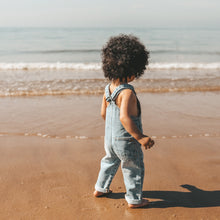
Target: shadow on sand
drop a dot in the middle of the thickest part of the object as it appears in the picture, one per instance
(195, 198)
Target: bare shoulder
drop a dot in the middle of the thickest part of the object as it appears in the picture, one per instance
(103, 107)
(126, 96)
(128, 103)
(104, 99)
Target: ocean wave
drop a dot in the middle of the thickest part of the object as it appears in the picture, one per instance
(61, 51)
(97, 66)
(187, 66)
(73, 51)
(50, 66)
(173, 51)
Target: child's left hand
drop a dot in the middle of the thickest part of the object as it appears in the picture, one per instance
(146, 142)
(150, 144)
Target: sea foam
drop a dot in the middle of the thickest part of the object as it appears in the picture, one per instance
(97, 66)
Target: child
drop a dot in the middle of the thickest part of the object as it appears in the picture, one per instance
(124, 58)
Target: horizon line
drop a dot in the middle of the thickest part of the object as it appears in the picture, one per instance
(116, 27)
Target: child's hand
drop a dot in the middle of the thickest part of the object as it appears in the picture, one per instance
(146, 142)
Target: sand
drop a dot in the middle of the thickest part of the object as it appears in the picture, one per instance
(51, 147)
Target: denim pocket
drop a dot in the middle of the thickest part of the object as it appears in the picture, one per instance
(126, 148)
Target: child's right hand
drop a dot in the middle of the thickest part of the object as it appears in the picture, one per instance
(146, 142)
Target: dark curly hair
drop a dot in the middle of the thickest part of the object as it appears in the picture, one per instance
(124, 56)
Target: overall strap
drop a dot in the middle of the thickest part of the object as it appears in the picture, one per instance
(107, 93)
(117, 91)
(112, 97)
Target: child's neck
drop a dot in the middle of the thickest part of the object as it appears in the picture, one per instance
(118, 82)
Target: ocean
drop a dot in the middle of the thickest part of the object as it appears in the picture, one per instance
(62, 61)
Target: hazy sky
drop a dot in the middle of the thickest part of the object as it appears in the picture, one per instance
(110, 13)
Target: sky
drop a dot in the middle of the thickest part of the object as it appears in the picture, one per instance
(110, 13)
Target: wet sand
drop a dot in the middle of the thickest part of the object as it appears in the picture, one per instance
(51, 147)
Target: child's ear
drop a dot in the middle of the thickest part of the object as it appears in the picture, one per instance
(130, 78)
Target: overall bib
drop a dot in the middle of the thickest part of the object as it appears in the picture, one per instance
(121, 147)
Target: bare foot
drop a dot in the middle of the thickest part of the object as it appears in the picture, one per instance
(100, 194)
(144, 203)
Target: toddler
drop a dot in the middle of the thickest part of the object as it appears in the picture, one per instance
(124, 58)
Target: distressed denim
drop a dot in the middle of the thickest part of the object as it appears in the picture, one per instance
(121, 147)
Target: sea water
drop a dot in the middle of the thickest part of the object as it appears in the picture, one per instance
(55, 61)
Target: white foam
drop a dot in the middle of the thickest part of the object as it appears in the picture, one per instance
(81, 137)
(97, 66)
(50, 66)
(45, 135)
(184, 66)
(40, 135)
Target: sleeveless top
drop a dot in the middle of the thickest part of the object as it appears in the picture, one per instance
(114, 129)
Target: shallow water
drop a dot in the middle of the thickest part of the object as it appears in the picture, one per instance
(62, 61)
(61, 82)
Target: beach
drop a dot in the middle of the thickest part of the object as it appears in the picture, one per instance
(52, 134)
(51, 147)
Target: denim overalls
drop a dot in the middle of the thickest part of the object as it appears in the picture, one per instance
(120, 146)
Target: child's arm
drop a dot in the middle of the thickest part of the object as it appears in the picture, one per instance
(128, 99)
(103, 108)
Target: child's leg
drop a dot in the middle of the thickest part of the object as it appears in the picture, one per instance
(133, 172)
(109, 167)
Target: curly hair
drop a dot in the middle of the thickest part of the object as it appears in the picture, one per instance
(124, 56)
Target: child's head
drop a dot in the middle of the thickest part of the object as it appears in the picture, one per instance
(124, 56)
